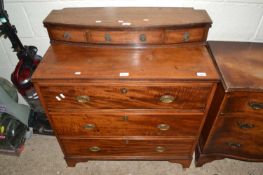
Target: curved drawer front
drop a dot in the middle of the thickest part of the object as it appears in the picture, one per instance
(240, 136)
(188, 96)
(68, 35)
(185, 35)
(88, 125)
(155, 36)
(126, 37)
(241, 124)
(120, 147)
(244, 102)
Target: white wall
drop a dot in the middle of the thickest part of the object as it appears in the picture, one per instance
(238, 20)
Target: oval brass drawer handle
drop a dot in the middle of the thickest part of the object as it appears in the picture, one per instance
(255, 105)
(245, 125)
(83, 99)
(89, 126)
(94, 149)
(163, 127)
(167, 99)
(160, 149)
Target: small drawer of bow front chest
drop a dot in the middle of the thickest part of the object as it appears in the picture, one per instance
(185, 35)
(126, 37)
(68, 35)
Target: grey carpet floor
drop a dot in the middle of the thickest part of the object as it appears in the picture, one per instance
(42, 156)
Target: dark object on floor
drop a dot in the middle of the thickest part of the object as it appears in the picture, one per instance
(12, 132)
(13, 119)
(39, 123)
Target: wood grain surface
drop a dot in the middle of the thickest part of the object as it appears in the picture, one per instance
(191, 96)
(139, 17)
(127, 147)
(89, 125)
(183, 63)
(230, 139)
(242, 102)
(240, 64)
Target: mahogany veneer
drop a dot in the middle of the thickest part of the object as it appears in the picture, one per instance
(127, 83)
(234, 128)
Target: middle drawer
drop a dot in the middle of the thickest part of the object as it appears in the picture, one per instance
(183, 96)
(132, 124)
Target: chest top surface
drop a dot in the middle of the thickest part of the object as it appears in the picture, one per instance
(63, 61)
(240, 64)
(128, 17)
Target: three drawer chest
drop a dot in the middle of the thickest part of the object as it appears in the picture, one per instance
(127, 83)
(234, 127)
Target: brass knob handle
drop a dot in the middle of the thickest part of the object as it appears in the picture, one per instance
(234, 145)
(124, 90)
(83, 99)
(245, 125)
(256, 105)
(107, 37)
(142, 37)
(66, 35)
(163, 127)
(160, 149)
(186, 36)
(89, 126)
(167, 99)
(94, 149)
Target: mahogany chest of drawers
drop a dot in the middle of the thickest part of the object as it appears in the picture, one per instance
(234, 128)
(127, 83)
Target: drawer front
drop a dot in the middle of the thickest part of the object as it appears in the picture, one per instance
(120, 147)
(182, 96)
(126, 124)
(185, 35)
(70, 35)
(240, 136)
(126, 37)
(244, 102)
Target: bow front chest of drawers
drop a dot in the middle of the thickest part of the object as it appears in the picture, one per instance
(127, 83)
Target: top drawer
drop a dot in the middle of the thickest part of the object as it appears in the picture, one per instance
(68, 35)
(250, 102)
(154, 36)
(125, 37)
(188, 96)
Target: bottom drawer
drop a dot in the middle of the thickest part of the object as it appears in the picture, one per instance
(238, 136)
(122, 147)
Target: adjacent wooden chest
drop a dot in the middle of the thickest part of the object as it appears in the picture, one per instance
(235, 125)
(127, 83)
